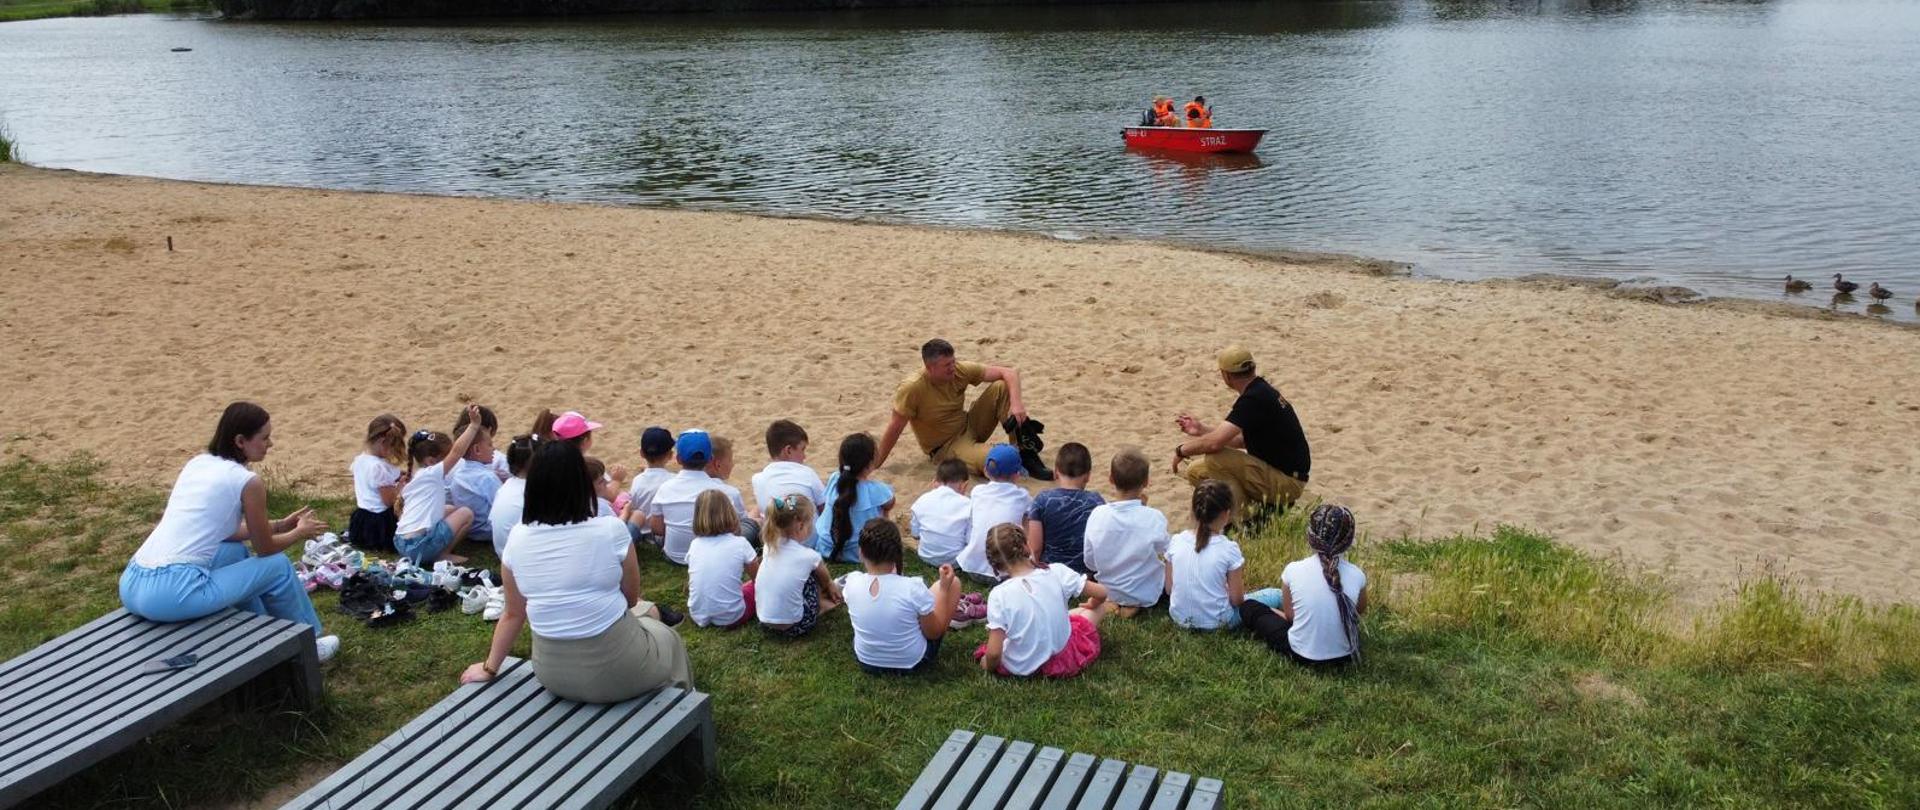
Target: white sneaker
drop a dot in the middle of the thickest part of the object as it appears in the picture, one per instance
(496, 604)
(447, 575)
(475, 599)
(326, 646)
(322, 550)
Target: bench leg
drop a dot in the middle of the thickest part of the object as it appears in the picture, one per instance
(699, 747)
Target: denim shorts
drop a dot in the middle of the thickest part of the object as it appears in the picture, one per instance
(425, 547)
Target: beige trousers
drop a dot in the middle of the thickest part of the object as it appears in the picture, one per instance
(1252, 480)
(984, 417)
(634, 656)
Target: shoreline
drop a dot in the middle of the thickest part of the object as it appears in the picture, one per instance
(1702, 439)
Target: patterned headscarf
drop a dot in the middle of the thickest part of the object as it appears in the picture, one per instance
(1330, 533)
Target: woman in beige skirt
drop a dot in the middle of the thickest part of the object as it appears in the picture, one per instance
(573, 578)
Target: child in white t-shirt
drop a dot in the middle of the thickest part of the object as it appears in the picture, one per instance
(998, 501)
(428, 525)
(898, 621)
(942, 515)
(1126, 540)
(1204, 582)
(716, 560)
(787, 473)
(1029, 628)
(377, 481)
(793, 586)
(656, 446)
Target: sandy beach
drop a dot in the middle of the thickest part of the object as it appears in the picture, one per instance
(1707, 441)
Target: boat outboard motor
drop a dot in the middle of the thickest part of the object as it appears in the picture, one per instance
(1146, 118)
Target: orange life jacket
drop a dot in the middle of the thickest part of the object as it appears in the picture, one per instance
(1198, 117)
(1163, 113)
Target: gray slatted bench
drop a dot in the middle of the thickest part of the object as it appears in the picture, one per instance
(986, 772)
(82, 697)
(509, 743)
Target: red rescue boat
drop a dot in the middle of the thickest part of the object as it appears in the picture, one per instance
(1183, 139)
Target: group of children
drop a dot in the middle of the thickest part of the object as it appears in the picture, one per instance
(767, 562)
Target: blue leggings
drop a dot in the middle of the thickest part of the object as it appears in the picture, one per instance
(177, 593)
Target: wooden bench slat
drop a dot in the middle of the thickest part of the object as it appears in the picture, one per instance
(53, 652)
(89, 663)
(1104, 785)
(937, 771)
(431, 719)
(509, 750)
(999, 783)
(1071, 781)
(1037, 780)
(1206, 794)
(1172, 794)
(28, 770)
(75, 712)
(967, 777)
(565, 734)
(1138, 789)
(384, 782)
(538, 786)
(620, 771)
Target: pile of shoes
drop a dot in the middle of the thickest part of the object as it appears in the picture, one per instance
(383, 594)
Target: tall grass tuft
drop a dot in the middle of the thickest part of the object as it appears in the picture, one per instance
(8, 152)
(1770, 623)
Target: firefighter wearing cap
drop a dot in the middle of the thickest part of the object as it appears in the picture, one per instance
(1197, 113)
(1259, 450)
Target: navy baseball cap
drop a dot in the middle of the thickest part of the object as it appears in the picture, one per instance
(655, 441)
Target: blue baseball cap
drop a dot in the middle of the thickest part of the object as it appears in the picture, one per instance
(694, 445)
(655, 441)
(1004, 460)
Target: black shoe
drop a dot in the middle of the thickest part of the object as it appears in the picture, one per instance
(1036, 469)
(669, 616)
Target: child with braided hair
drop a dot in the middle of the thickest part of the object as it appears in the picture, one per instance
(1314, 616)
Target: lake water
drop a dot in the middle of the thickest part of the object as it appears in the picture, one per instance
(1714, 145)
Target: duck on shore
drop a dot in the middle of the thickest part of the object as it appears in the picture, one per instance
(1878, 292)
(1795, 285)
(1843, 285)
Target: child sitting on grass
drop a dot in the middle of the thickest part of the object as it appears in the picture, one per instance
(1057, 519)
(1204, 586)
(793, 587)
(1314, 616)
(856, 500)
(471, 484)
(1127, 539)
(428, 525)
(1029, 628)
(656, 447)
(787, 473)
(377, 480)
(716, 561)
(941, 516)
(606, 487)
(511, 501)
(998, 501)
(898, 621)
(721, 469)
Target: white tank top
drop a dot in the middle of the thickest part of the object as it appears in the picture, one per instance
(202, 512)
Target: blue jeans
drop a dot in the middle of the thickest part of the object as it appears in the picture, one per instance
(178, 593)
(425, 547)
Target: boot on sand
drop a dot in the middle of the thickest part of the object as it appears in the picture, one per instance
(1026, 437)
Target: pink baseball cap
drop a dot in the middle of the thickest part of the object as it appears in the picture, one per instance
(571, 425)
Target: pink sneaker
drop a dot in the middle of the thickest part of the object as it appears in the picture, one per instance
(968, 613)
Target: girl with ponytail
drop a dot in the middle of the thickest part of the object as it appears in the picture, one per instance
(1204, 584)
(1314, 616)
(793, 586)
(856, 500)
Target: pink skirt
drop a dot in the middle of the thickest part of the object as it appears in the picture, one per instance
(1083, 646)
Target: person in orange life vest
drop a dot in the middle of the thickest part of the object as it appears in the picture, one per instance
(1163, 113)
(1197, 114)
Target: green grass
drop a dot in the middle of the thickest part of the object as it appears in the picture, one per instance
(9, 152)
(1501, 670)
(14, 10)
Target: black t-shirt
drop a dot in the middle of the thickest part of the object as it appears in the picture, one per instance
(1271, 429)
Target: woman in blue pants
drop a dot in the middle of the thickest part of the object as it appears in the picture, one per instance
(193, 564)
